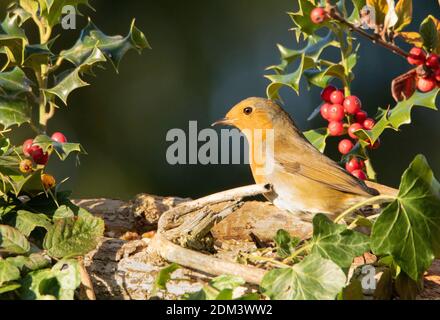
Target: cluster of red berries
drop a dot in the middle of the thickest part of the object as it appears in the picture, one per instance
(345, 116)
(36, 152)
(429, 76)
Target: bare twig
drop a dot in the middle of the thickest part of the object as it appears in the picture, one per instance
(86, 284)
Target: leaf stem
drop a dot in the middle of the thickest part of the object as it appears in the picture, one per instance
(265, 259)
(373, 200)
(301, 249)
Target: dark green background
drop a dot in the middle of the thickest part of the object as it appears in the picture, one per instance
(207, 55)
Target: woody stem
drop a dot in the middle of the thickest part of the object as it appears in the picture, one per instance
(375, 38)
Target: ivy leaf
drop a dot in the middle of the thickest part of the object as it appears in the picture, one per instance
(68, 276)
(399, 115)
(314, 278)
(15, 81)
(38, 285)
(227, 282)
(14, 112)
(27, 221)
(113, 47)
(404, 10)
(285, 243)
(71, 237)
(336, 242)
(409, 228)
(164, 276)
(221, 288)
(428, 31)
(317, 137)
(73, 80)
(63, 150)
(32, 262)
(8, 272)
(9, 287)
(13, 241)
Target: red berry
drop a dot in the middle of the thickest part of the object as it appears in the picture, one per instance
(38, 155)
(369, 124)
(353, 128)
(354, 164)
(324, 110)
(361, 116)
(336, 113)
(27, 147)
(359, 174)
(352, 105)
(416, 56)
(59, 137)
(426, 84)
(375, 145)
(433, 61)
(337, 97)
(326, 92)
(335, 128)
(437, 75)
(345, 146)
(318, 15)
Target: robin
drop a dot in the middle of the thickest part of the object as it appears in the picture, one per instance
(303, 179)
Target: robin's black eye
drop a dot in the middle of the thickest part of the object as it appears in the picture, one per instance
(247, 111)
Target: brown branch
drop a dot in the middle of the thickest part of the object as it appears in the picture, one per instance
(374, 38)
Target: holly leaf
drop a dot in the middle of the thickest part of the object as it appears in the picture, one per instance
(113, 47)
(314, 278)
(12, 41)
(13, 241)
(398, 116)
(72, 80)
(336, 242)
(429, 32)
(380, 9)
(303, 24)
(404, 10)
(413, 38)
(8, 272)
(63, 150)
(71, 237)
(37, 54)
(285, 243)
(15, 82)
(409, 228)
(27, 221)
(52, 10)
(317, 137)
(14, 111)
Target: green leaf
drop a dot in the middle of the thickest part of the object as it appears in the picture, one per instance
(8, 272)
(52, 9)
(317, 137)
(69, 278)
(404, 10)
(229, 282)
(27, 221)
(14, 112)
(71, 237)
(63, 212)
(353, 291)
(409, 228)
(303, 24)
(36, 54)
(12, 41)
(357, 7)
(73, 80)
(285, 243)
(12, 241)
(399, 115)
(63, 150)
(15, 81)
(32, 285)
(314, 278)
(9, 287)
(32, 262)
(336, 242)
(164, 276)
(113, 47)
(428, 31)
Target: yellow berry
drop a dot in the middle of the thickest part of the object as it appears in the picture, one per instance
(48, 181)
(26, 166)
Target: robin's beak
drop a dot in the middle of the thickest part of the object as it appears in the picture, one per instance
(224, 121)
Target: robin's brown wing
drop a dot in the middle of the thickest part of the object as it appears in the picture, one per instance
(312, 164)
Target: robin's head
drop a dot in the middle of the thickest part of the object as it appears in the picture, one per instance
(253, 113)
